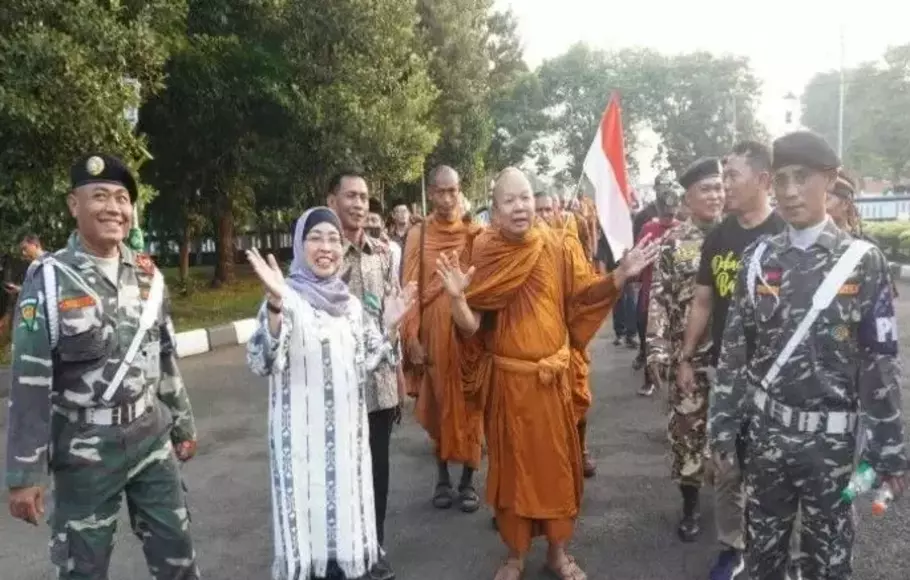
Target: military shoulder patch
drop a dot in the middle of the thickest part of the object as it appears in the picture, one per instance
(28, 314)
(75, 303)
(144, 262)
(848, 290)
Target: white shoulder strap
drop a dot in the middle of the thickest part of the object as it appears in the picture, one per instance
(754, 271)
(49, 272)
(146, 321)
(821, 300)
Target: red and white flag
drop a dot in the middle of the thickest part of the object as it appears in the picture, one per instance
(605, 166)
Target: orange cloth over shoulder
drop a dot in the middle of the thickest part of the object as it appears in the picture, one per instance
(530, 291)
(455, 429)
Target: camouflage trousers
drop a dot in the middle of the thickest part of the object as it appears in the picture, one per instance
(93, 468)
(687, 430)
(790, 472)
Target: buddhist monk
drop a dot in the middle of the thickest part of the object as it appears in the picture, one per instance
(434, 370)
(524, 302)
(566, 224)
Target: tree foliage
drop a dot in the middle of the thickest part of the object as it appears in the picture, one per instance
(876, 113)
(62, 94)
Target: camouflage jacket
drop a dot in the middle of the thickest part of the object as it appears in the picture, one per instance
(672, 290)
(847, 362)
(369, 273)
(93, 337)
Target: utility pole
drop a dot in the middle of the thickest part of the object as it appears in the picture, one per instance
(843, 90)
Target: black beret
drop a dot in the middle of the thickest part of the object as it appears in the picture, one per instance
(375, 206)
(806, 149)
(704, 167)
(101, 168)
(844, 186)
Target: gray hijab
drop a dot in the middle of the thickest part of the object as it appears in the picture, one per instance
(328, 294)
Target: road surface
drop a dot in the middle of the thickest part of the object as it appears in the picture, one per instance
(626, 532)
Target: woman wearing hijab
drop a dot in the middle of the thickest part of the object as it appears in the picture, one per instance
(316, 346)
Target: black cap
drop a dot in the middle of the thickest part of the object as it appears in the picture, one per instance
(844, 186)
(701, 169)
(804, 148)
(101, 168)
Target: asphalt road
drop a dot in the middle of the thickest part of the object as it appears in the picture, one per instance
(626, 532)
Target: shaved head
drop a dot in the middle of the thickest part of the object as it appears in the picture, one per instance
(546, 205)
(510, 180)
(445, 193)
(513, 201)
(443, 175)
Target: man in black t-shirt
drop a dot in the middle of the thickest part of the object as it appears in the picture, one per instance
(747, 181)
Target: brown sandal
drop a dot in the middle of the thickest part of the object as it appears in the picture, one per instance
(568, 570)
(511, 569)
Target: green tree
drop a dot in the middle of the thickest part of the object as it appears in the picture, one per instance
(706, 104)
(456, 33)
(516, 97)
(62, 94)
(224, 103)
(577, 87)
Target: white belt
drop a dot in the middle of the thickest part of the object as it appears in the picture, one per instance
(108, 416)
(832, 423)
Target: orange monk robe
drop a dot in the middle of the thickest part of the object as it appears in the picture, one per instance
(455, 429)
(529, 293)
(579, 369)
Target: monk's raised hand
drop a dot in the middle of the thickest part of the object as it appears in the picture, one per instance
(269, 273)
(454, 280)
(641, 256)
(397, 305)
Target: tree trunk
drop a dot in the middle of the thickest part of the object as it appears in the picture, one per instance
(224, 242)
(184, 262)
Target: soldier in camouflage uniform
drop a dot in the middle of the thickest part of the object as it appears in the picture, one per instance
(804, 410)
(106, 411)
(672, 290)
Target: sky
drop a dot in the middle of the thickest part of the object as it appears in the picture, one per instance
(787, 41)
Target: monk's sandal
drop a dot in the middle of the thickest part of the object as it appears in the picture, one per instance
(470, 501)
(442, 497)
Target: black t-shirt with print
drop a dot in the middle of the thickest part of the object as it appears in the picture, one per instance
(721, 260)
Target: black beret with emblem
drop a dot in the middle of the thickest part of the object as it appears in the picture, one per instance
(806, 149)
(102, 168)
(701, 169)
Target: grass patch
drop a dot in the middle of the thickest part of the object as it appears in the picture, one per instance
(195, 305)
(201, 306)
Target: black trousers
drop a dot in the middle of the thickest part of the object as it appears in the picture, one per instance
(381, 423)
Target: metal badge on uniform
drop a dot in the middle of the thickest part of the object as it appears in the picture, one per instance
(840, 333)
(94, 166)
(372, 303)
(28, 314)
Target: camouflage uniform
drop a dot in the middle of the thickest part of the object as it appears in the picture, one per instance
(847, 361)
(672, 290)
(55, 390)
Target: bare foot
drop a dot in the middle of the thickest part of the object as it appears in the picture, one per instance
(565, 568)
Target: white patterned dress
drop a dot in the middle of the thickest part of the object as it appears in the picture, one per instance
(322, 485)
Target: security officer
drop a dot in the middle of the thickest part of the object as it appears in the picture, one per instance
(810, 339)
(672, 289)
(93, 358)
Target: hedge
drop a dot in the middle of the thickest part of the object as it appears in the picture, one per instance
(892, 237)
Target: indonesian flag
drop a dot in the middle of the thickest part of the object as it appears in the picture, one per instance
(605, 166)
